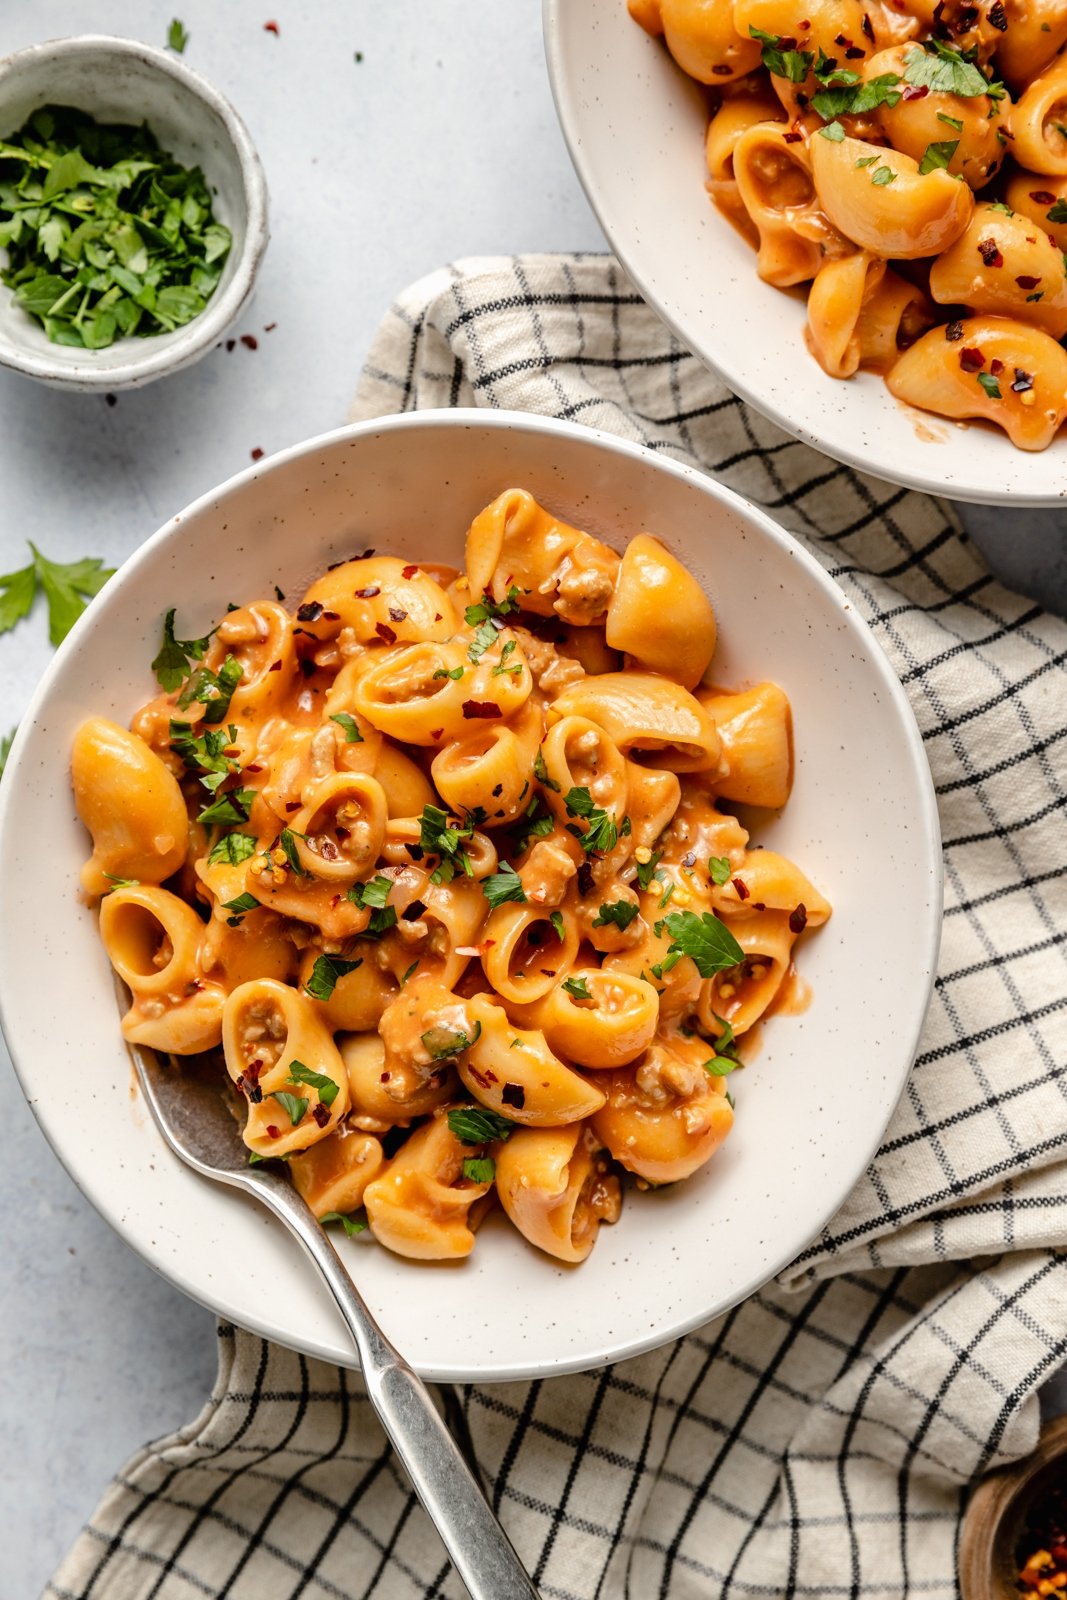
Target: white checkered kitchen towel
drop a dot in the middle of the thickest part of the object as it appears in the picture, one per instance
(819, 1439)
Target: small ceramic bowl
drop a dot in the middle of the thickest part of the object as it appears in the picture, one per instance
(122, 80)
(996, 1516)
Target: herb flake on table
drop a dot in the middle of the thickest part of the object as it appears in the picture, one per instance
(106, 234)
(177, 36)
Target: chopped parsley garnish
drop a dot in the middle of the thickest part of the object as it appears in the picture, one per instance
(953, 122)
(1055, 213)
(106, 234)
(243, 903)
(556, 919)
(127, 883)
(325, 1087)
(942, 69)
(62, 585)
(213, 690)
(414, 967)
(536, 824)
(375, 894)
(501, 665)
(5, 749)
(577, 987)
(851, 99)
(351, 728)
(937, 156)
(867, 161)
(204, 753)
(443, 1045)
(619, 914)
(725, 1060)
(325, 973)
(229, 807)
(444, 838)
(718, 869)
(646, 870)
(476, 1125)
(989, 384)
(833, 131)
(792, 64)
(601, 831)
(479, 1169)
(172, 664)
(503, 885)
(487, 607)
(881, 176)
(232, 849)
(455, 673)
(721, 1066)
(287, 842)
(704, 938)
(295, 1104)
(177, 36)
(353, 1222)
(541, 770)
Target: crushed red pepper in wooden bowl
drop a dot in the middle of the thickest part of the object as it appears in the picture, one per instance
(1042, 1548)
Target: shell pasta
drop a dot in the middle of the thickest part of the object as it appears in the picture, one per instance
(907, 162)
(441, 866)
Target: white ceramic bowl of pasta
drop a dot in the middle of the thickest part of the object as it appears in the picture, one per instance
(815, 1100)
(635, 124)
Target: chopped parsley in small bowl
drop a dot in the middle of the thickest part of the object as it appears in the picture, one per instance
(133, 213)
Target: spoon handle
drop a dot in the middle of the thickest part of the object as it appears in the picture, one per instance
(477, 1545)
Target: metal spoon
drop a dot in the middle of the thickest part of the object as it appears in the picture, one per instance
(198, 1124)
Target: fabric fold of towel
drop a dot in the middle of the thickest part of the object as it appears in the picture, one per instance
(817, 1440)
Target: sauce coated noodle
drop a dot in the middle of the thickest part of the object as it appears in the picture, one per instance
(443, 873)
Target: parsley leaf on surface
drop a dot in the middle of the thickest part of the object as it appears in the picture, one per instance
(942, 69)
(646, 870)
(348, 723)
(229, 807)
(443, 1045)
(232, 849)
(938, 155)
(602, 831)
(479, 1169)
(177, 36)
(577, 987)
(66, 586)
(353, 1221)
(619, 915)
(708, 941)
(485, 608)
(718, 869)
(171, 665)
(325, 1087)
(293, 1103)
(5, 749)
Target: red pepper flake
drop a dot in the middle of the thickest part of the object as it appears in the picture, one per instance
(842, 41)
(292, 805)
(971, 359)
(384, 631)
(798, 918)
(997, 16)
(231, 344)
(384, 1077)
(513, 1094)
(996, 366)
(248, 1083)
(331, 616)
(855, 52)
(250, 341)
(397, 615)
(721, 70)
(320, 1114)
(742, 888)
(112, 399)
(1043, 197)
(257, 454)
(480, 708)
(990, 254)
(437, 616)
(308, 668)
(272, 27)
(786, 43)
(435, 734)
(369, 592)
(792, 137)
(275, 666)
(1023, 381)
(916, 92)
(805, 24)
(867, 27)
(408, 572)
(953, 331)
(270, 327)
(251, 768)
(1028, 282)
(480, 1078)
(272, 1132)
(310, 611)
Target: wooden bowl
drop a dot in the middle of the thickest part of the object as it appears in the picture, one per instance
(996, 1515)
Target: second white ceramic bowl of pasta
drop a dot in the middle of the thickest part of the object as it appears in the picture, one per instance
(635, 124)
(817, 1090)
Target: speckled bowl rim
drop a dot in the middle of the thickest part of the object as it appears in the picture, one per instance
(225, 305)
(18, 1008)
